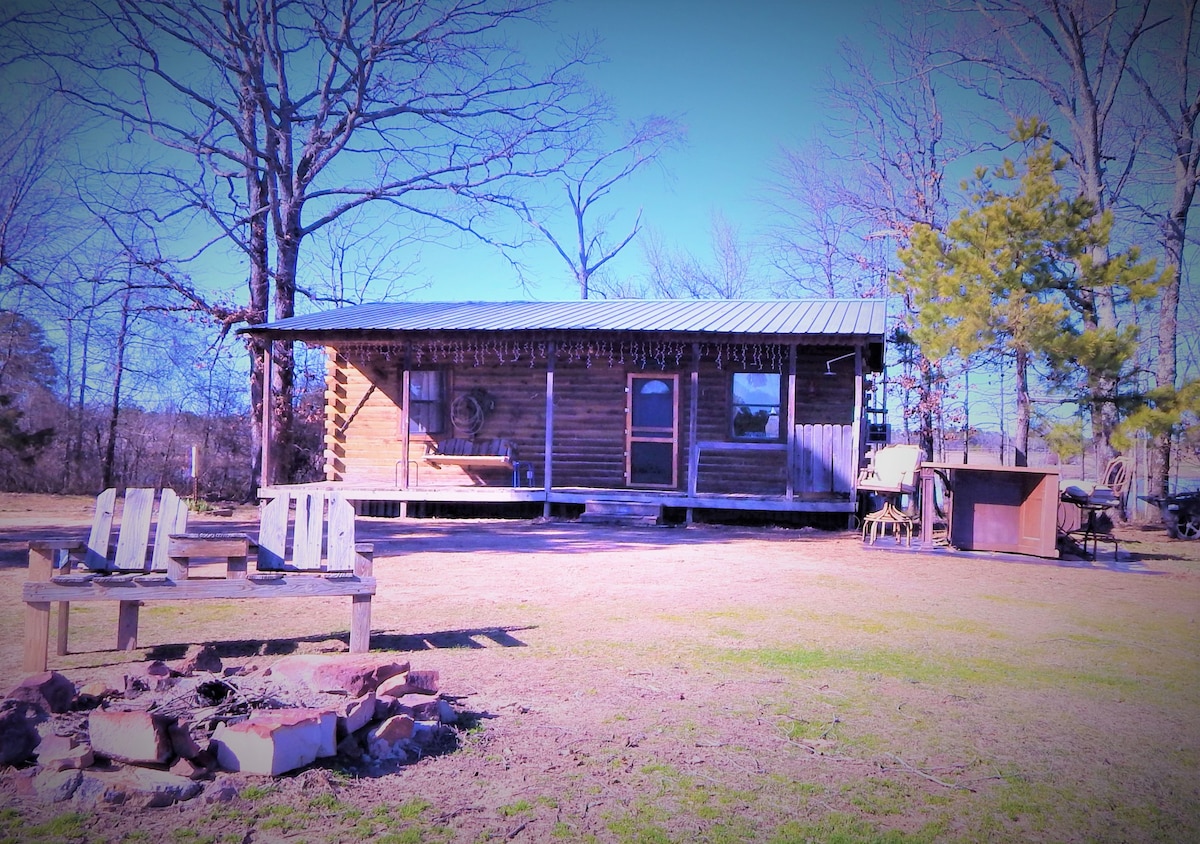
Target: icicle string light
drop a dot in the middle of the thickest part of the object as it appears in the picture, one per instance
(643, 354)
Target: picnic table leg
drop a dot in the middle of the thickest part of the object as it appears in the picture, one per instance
(37, 614)
(64, 623)
(37, 636)
(360, 607)
(360, 624)
(127, 625)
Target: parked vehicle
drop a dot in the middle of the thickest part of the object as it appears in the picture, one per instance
(1180, 513)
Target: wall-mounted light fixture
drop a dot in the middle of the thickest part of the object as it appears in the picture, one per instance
(828, 370)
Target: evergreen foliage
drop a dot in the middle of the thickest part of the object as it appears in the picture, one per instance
(1017, 273)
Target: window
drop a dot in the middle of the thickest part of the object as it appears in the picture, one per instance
(755, 406)
(426, 402)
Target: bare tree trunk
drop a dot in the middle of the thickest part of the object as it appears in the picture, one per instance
(287, 246)
(1021, 443)
(75, 453)
(114, 408)
(1175, 102)
(1166, 364)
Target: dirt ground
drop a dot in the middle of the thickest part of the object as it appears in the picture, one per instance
(708, 683)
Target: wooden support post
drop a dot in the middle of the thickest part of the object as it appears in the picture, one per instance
(928, 511)
(790, 419)
(37, 636)
(127, 625)
(64, 625)
(360, 606)
(860, 421)
(548, 471)
(265, 479)
(405, 415)
(693, 413)
(37, 615)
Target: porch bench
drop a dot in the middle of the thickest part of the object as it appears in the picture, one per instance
(483, 454)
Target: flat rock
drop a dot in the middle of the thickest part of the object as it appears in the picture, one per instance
(409, 683)
(276, 741)
(49, 690)
(18, 730)
(64, 758)
(50, 786)
(356, 714)
(352, 674)
(144, 787)
(136, 737)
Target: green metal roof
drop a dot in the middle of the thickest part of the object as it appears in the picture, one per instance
(780, 317)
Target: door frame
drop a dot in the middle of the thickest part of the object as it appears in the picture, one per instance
(632, 437)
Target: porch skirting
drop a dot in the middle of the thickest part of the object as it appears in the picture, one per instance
(834, 503)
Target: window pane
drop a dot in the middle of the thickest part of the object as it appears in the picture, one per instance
(426, 407)
(650, 463)
(755, 405)
(425, 385)
(653, 404)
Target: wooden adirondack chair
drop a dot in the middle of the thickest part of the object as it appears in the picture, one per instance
(97, 558)
(346, 566)
(322, 562)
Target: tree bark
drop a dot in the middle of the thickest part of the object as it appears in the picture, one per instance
(114, 410)
(1021, 441)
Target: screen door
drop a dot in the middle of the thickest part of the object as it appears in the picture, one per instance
(652, 431)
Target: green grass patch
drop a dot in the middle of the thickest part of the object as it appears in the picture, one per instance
(518, 807)
(842, 828)
(64, 827)
(412, 808)
(908, 667)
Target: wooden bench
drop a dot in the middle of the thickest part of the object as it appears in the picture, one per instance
(483, 454)
(346, 570)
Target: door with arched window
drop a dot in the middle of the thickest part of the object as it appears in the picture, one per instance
(652, 431)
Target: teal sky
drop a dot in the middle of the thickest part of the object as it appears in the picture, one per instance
(744, 78)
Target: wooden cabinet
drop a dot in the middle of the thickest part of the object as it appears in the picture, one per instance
(995, 508)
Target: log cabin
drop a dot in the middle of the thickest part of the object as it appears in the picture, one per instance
(687, 405)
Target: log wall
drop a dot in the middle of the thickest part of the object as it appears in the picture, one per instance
(364, 439)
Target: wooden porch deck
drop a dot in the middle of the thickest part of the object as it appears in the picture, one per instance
(575, 495)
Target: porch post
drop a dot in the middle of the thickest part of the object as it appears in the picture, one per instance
(268, 378)
(405, 432)
(790, 418)
(547, 472)
(405, 398)
(859, 422)
(693, 412)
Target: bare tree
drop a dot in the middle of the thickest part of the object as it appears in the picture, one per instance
(591, 178)
(276, 118)
(1165, 73)
(731, 273)
(820, 238)
(32, 214)
(888, 131)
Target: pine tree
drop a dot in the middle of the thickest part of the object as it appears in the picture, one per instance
(1013, 273)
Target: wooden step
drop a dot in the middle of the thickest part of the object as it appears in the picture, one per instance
(622, 512)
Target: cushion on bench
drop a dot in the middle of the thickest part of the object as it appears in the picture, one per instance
(462, 447)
